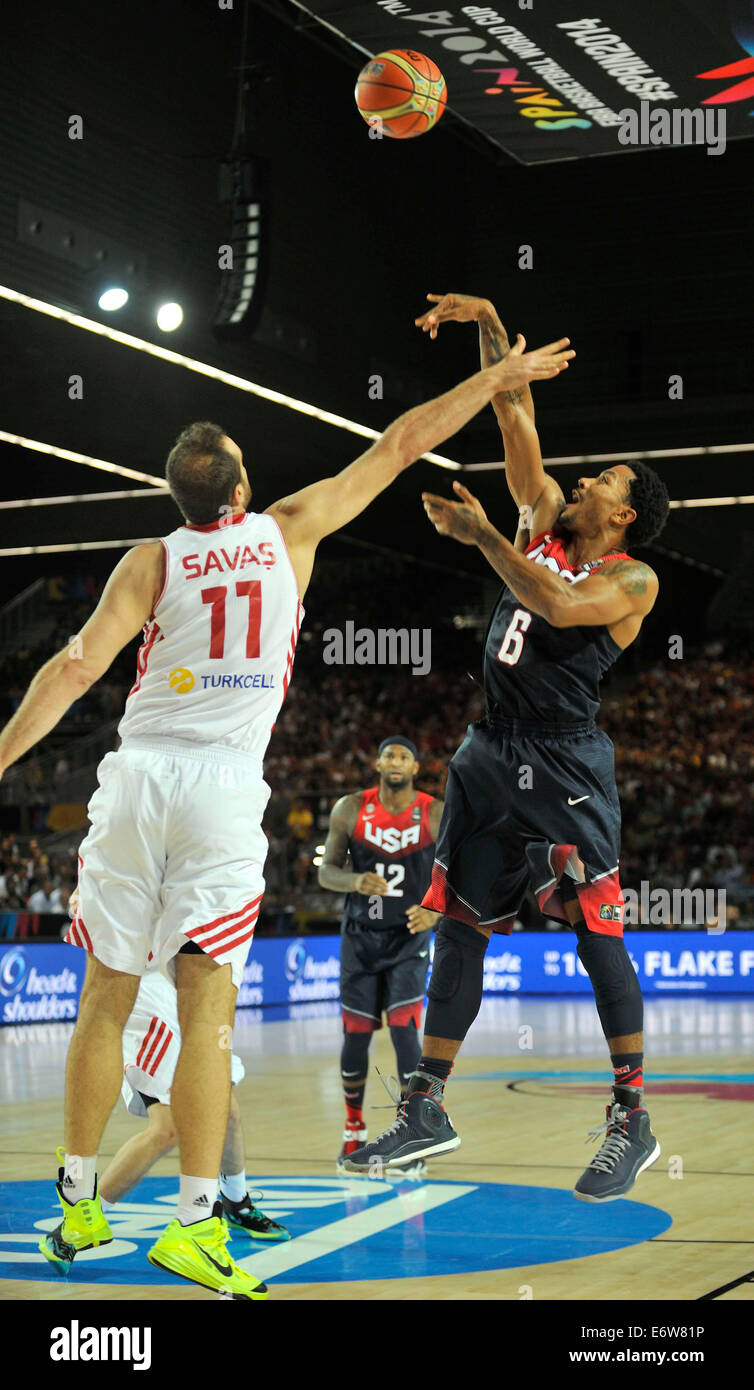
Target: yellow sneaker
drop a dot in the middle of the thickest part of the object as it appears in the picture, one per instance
(83, 1226)
(198, 1252)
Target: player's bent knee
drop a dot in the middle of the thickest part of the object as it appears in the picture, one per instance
(454, 942)
(455, 988)
(608, 966)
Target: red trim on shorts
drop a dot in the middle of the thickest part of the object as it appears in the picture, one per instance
(593, 897)
(440, 897)
(209, 942)
(161, 1053)
(230, 945)
(220, 921)
(359, 1023)
(162, 1029)
(145, 1040)
(405, 1014)
(77, 935)
(503, 925)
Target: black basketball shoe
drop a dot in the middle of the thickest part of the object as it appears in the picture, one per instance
(420, 1129)
(628, 1148)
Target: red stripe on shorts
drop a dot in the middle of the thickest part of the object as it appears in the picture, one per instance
(155, 1044)
(161, 1053)
(212, 939)
(220, 921)
(230, 945)
(146, 1040)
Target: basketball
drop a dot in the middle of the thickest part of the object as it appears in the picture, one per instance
(402, 89)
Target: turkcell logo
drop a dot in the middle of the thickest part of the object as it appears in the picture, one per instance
(309, 978)
(32, 996)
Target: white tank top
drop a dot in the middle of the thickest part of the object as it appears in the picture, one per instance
(217, 655)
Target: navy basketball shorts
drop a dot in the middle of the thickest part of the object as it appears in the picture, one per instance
(526, 804)
(382, 970)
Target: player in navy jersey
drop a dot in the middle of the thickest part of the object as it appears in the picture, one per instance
(379, 851)
(531, 795)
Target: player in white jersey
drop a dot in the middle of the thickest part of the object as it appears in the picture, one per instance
(171, 870)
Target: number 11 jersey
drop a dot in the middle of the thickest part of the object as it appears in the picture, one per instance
(217, 655)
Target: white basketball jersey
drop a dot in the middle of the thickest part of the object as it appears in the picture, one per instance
(217, 655)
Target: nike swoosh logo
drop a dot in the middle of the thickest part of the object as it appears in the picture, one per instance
(227, 1270)
(422, 954)
(574, 801)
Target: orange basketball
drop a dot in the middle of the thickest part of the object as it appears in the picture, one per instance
(403, 90)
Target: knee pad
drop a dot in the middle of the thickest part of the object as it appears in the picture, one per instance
(455, 944)
(616, 988)
(354, 1054)
(455, 988)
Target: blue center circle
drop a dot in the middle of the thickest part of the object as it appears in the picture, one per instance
(343, 1229)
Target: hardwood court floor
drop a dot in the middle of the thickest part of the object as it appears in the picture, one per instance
(523, 1116)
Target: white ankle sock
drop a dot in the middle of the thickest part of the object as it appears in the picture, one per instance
(196, 1199)
(79, 1177)
(106, 1206)
(233, 1185)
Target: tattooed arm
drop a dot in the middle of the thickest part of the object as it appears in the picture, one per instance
(493, 347)
(530, 487)
(623, 589)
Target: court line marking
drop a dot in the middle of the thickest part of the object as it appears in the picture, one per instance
(349, 1229)
(725, 1288)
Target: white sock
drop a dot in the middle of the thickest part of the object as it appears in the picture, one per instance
(196, 1199)
(79, 1177)
(106, 1206)
(233, 1185)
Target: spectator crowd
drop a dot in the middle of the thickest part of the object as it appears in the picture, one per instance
(683, 732)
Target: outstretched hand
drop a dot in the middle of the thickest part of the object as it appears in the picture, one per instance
(462, 520)
(519, 367)
(451, 308)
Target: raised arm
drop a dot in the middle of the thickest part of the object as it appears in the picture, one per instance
(535, 492)
(316, 511)
(333, 873)
(621, 589)
(125, 606)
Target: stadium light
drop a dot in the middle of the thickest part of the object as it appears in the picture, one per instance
(695, 452)
(38, 447)
(112, 299)
(239, 383)
(169, 317)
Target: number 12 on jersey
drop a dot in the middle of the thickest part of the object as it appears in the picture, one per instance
(395, 875)
(245, 588)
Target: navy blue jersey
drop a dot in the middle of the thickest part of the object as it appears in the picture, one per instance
(537, 672)
(400, 848)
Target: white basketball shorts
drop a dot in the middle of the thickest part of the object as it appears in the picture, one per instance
(175, 853)
(151, 1044)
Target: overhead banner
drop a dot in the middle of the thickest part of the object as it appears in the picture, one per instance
(548, 80)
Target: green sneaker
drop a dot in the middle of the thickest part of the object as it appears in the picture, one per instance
(244, 1216)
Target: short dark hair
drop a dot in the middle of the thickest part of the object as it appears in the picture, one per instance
(648, 496)
(200, 473)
